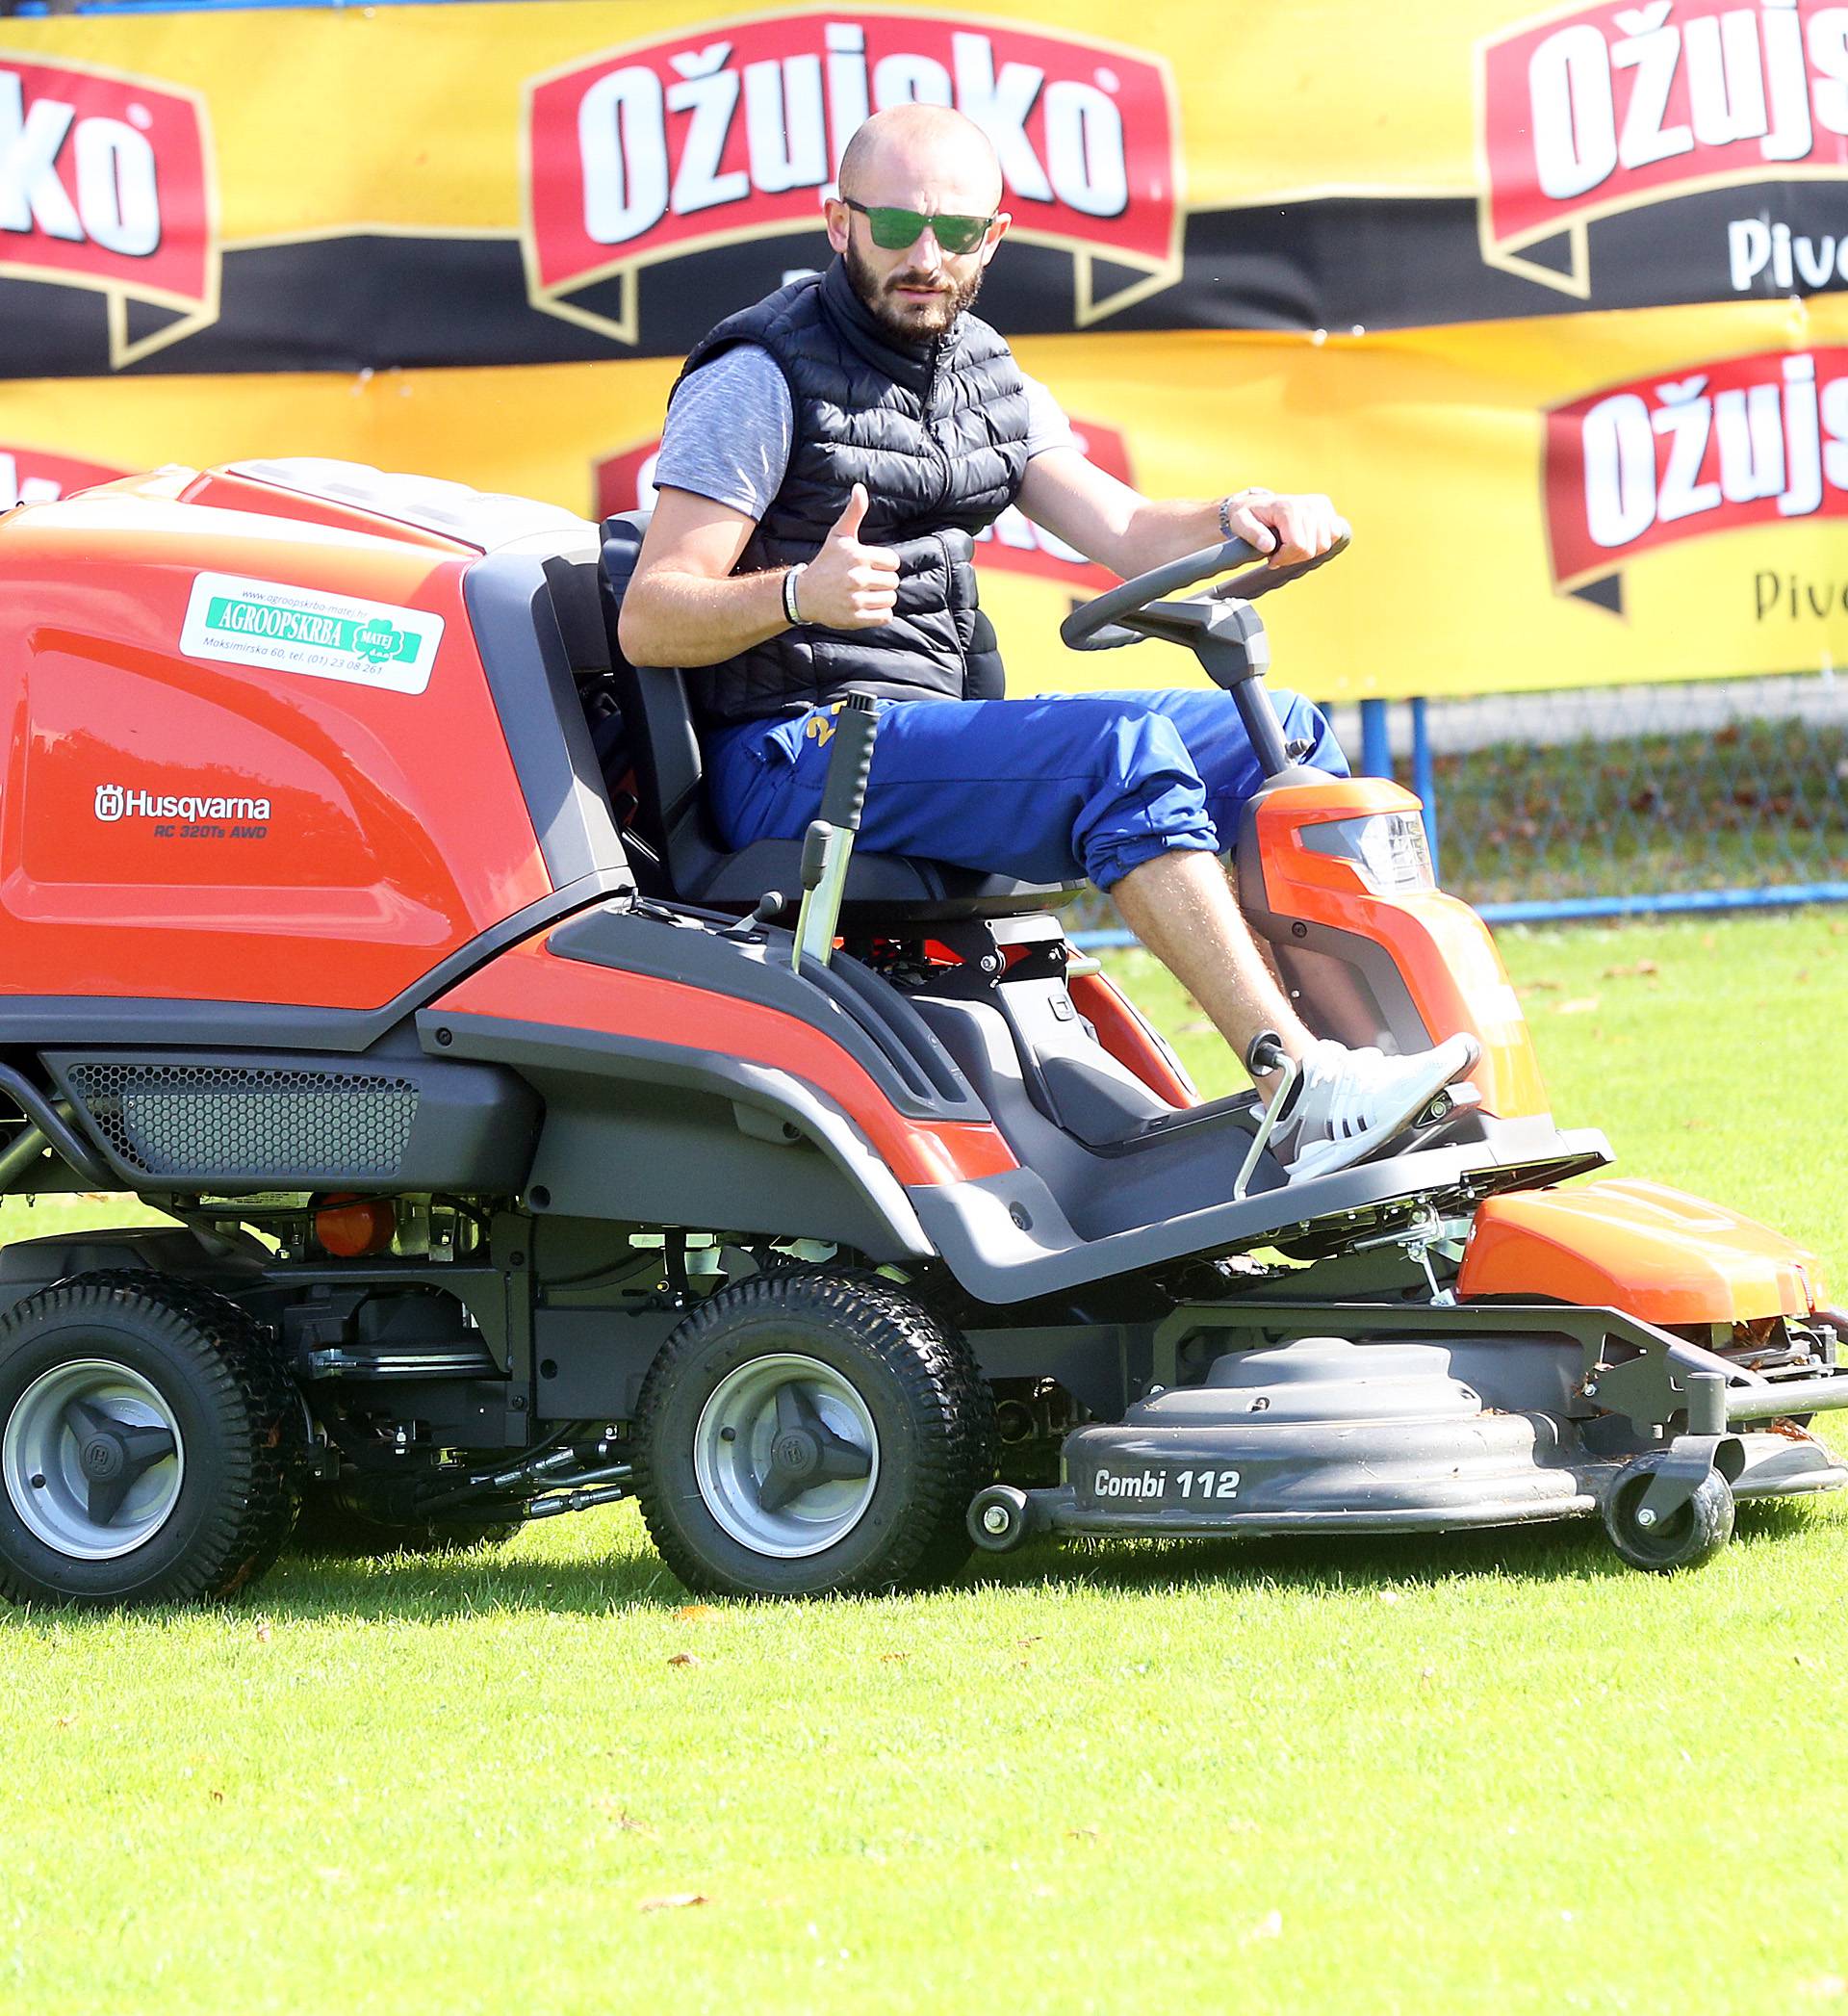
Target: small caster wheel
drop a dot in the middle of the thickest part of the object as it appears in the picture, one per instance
(1683, 1539)
(998, 1518)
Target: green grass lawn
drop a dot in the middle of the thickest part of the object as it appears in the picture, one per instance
(1494, 1772)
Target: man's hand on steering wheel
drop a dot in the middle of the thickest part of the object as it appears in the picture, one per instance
(1285, 529)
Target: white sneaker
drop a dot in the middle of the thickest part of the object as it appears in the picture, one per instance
(1347, 1102)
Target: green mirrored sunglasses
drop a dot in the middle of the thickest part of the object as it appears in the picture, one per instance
(895, 229)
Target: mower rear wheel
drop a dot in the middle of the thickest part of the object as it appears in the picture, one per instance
(803, 1434)
(150, 1444)
(1693, 1533)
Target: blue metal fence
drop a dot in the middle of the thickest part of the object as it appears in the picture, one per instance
(1618, 802)
(1615, 801)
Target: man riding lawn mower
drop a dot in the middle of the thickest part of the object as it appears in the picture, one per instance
(524, 1151)
(827, 456)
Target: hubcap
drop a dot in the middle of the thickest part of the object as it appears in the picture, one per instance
(91, 1460)
(786, 1455)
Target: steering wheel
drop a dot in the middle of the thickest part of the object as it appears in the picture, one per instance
(1103, 623)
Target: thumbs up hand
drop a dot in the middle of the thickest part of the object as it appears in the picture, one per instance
(848, 585)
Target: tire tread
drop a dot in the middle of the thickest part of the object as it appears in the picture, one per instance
(243, 1380)
(942, 1386)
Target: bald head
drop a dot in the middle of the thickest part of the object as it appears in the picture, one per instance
(925, 169)
(912, 151)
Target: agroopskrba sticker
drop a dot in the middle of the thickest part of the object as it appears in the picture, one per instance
(241, 622)
(1585, 113)
(106, 183)
(732, 131)
(1741, 441)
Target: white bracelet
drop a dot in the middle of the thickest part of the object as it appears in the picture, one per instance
(791, 575)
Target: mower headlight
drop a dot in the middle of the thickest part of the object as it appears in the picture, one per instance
(1388, 847)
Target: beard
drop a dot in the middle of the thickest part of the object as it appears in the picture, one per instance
(910, 320)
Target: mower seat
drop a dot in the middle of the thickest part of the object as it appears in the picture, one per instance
(673, 819)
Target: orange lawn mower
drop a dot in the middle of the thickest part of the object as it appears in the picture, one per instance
(525, 1150)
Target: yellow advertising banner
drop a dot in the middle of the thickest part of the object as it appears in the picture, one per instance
(1487, 472)
(1553, 302)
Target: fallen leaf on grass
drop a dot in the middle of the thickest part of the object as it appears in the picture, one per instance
(623, 1820)
(1268, 1927)
(1582, 1004)
(674, 1900)
(263, 1634)
(1083, 1833)
(691, 1612)
(1644, 970)
(893, 1658)
(687, 1658)
(1021, 1644)
(64, 1721)
(215, 1797)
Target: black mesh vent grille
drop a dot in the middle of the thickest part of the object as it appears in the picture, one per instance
(186, 1120)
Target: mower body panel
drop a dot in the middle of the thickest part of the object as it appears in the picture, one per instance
(1402, 968)
(258, 754)
(1656, 1253)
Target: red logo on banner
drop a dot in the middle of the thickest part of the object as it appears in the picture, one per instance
(104, 182)
(732, 131)
(1599, 111)
(1013, 543)
(29, 476)
(1759, 440)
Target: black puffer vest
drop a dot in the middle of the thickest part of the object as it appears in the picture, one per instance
(938, 432)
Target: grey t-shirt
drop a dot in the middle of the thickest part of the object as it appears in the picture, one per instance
(732, 425)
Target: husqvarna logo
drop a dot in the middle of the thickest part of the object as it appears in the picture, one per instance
(185, 814)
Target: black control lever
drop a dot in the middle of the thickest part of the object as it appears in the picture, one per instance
(769, 909)
(828, 846)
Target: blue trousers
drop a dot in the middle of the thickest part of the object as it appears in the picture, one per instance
(1045, 789)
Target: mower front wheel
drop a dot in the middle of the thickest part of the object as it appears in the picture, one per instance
(1693, 1533)
(804, 1434)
